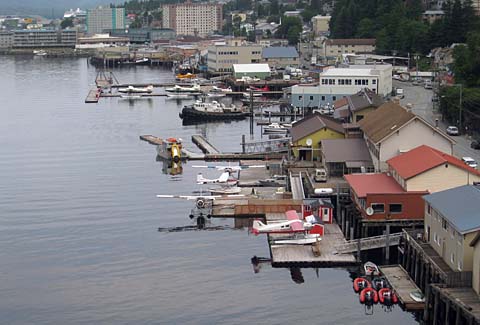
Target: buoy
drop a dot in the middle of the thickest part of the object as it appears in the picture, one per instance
(369, 296)
(360, 284)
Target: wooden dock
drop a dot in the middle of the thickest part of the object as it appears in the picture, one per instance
(204, 145)
(403, 286)
(462, 302)
(93, 96)
(368, 243)
(151, 139)
(302, 255)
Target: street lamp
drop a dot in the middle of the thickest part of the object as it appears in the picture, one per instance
(416, 57)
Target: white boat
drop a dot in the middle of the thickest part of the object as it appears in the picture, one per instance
(182, 95)
(40, 52)
(215, 95)
(417, 295)
(182, 89)
(371, 269)
(221, 90)
(275, 128)
(303, 240)
(136, 90)
(225, 190)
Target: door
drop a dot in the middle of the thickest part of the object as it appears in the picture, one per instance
(326, 215)
(428, 234)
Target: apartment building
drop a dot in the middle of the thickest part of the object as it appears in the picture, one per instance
(6, 39)
(41, 38)
(321, 25)
(100, 19)
(198, 19)
(336, 47)
(222, 57)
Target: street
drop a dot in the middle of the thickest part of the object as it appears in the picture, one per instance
(422, 105)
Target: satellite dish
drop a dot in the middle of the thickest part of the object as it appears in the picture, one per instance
(309, 142)
(369, 211)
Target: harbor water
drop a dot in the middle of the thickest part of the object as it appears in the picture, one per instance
(79, 240)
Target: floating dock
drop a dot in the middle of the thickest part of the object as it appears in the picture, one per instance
(403, 286)
(204, 144)
(151, 139)
(93, 96)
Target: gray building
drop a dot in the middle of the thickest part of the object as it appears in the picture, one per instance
(280, 57)
(42, 38)
(6, 39)
(144, 35)
(100, 19)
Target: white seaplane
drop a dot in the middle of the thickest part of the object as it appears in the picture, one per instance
(229, 168)
(225, 178)
(136, 90)
(292, 225)
(201, 201)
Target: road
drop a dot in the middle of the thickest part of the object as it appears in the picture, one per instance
(422, 105)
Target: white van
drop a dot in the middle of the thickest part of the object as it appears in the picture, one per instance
(399, 93)
(428, 84)
(320, 175)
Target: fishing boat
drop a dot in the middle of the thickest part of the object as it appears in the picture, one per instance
(136, 90)
(40, 52)
(184, 89)
(371, 269)
(212, 111)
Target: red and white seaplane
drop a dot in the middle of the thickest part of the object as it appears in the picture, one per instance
(304, 231)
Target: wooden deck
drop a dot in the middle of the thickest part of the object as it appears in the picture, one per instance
(403, 286)
(151, 139)
(93, 96)
(204, 145)
(302, 255)
(464, 297)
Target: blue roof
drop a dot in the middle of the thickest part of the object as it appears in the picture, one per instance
(459, 205)
(279, 52)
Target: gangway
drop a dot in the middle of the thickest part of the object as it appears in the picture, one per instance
(296, 185)
(351, 246)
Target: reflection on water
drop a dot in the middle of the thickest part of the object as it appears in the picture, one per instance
(170, 167)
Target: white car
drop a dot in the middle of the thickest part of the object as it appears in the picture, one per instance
(452, 130)
(470, 162)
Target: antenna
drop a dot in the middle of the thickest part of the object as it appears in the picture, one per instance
(369, 211)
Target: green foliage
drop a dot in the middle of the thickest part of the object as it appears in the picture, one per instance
(467, 61)
(67, 22)
(290, 29)
(366, 28)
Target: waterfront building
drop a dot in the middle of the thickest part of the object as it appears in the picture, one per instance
(253, 70)
(221, 57)
(426, 168)
(393, 130)
(321, 25)
(336, 83)
(379, 197)
(6, 39)
(101, 41)
(308, 133)
(198, 19)
(346, 156)
(355, 107)
(333, 48)
(280, 57)
(476, 263)
(100, 19)
(144, 35)
(452, 223)
(42, 38)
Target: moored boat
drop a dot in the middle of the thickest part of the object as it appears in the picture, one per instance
(136, 90)
(387, 296)
(275, 128)
(361, 283)
(371, 269)
(212, 111)
(184, 89)
(368, 296)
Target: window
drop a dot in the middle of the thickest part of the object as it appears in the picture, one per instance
(452, 258)
(324, 82)
(323, 97)
(395, 208)
(374, 82)
(331, 81)
(460, 265)
(311, 97)
(378, 208)
(358, 82)
(444, 224)
(334, 97)
(435, 237)
(300, 97)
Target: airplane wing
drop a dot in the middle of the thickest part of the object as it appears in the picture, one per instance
(186, 197)
(252, 166)
(224, 177)
(292, 215)
(203, 166)
(297, 226)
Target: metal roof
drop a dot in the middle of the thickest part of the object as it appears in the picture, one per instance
(312, 124)
(346, 150)
(459, 205)
(253, 67)
(279, 52)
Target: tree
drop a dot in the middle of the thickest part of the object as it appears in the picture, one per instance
(67, 22)
(366, 28)
(289, 23)
(293, 34)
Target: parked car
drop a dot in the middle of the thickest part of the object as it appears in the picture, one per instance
(428, 84)
(417, 82)
(452, 130)
(475, 145)
(470, 162)
(399, 92)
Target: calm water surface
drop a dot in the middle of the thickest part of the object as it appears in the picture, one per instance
(79, 218)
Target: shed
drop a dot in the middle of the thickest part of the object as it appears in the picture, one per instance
(253, 70)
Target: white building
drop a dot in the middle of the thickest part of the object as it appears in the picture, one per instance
(222, 57)
(321, 25)
(100, 19)
(198, 19)
(336, 83)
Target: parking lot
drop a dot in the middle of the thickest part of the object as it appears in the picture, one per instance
(422, 105)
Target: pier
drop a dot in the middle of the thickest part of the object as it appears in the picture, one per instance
(403, 286)
(93, 96)
(151, 139)
(368, 243)
(204, 144)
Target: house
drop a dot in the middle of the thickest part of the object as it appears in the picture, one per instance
(451, 224)
(308, 133)
(345, 156)
(280, 57)
(322, 209)
(393, 130)
(431, 16)
(336, 83)
(380, 197)
(362, 103)
(476, 263)
(336, 47)
(426, 168)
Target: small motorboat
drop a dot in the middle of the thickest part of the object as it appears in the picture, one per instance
(368, 296)
(371, 269)
(387, 296)
(361, 283)
(379, 283)
(417, 295)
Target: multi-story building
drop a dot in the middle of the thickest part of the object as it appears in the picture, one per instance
(336, 83)
(100, 19)
(333, 48)
(41, 38)
(321, 25)
(280, 57)
(222, 57)
(6, 39)
(144, 35)
(198, 19)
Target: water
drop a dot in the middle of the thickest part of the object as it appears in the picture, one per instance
(79, 218)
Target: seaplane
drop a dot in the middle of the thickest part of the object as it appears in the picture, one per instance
(292, 225)
(136, 90)
(229, 169)
(225, 178)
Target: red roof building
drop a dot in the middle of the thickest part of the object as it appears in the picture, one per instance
(427, 169)
(380, 197)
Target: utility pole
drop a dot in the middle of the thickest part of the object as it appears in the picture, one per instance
(460, 110)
